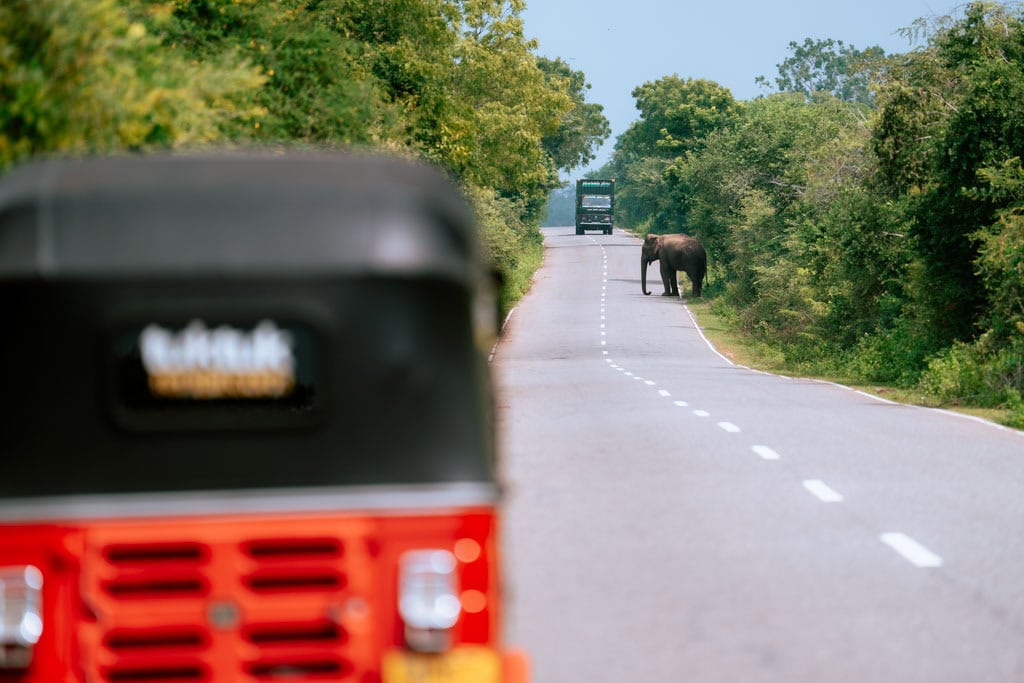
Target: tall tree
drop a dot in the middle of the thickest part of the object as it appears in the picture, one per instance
(81, 76)
(502, 129)
(584, 128)
(950, 114)
(830, 66)
(676, 114)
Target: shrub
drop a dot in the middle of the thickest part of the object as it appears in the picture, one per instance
(978, 374)
(514, 247)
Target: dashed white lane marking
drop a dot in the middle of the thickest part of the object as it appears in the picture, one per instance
(822, 490)
(649, 382)
(766, 453)
(912, 551)
(908, 548)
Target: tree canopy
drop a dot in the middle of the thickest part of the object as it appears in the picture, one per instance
(830, 66)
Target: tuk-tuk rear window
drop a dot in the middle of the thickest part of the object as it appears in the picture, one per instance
(215, 374)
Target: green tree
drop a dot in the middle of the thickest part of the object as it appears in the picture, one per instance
(584, 128)
(676, 118)
(321, 87)
(80, 76)
(502, 128)
(676, 114)
(830, 66)
(952, 111)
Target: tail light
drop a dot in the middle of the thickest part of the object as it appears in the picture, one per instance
(21, 621)
(428, 599)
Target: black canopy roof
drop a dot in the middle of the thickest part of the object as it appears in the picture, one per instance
(229, 214)
(366, 265)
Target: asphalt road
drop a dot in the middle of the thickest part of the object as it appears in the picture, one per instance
(673, 517)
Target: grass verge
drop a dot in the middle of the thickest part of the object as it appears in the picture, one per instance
(744, 351)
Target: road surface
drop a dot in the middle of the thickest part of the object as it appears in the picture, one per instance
(673, 517)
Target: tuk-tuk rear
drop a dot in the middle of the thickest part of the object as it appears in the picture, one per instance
(248, 430)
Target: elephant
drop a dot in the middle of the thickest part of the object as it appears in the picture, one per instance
(676, 253)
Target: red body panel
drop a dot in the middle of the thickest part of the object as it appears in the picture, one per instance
(306, 597)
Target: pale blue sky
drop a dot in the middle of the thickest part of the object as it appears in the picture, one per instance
(620, 44)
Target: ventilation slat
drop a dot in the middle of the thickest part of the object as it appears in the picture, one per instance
(293, 669)
(173, 638)
(158, 674)
(293, 548)
(155, 553)
(291, 634)
(277, 582)
(143, 587)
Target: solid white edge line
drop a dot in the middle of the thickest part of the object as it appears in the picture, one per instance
(494, 349)
(879, 399)
(912, 551)
(822, 491)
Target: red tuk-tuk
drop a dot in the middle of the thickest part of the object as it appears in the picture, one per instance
(247, 424)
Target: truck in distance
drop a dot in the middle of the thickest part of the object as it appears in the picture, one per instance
(595, 205)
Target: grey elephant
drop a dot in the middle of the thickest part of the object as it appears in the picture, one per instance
(676, 253)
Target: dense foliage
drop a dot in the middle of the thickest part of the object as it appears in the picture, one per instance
(868, 218)
(455, 82)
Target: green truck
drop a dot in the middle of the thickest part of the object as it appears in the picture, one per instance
(595, 205)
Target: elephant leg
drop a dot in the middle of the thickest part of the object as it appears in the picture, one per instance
(668, 279)
(694, 286)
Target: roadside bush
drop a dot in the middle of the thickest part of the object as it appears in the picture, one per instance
(515, 248)
(976, 374)
(891, 356)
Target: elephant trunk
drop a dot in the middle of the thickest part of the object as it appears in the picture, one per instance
(643, 274)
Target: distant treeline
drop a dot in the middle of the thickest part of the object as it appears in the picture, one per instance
(454, 82)
(864, 220)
